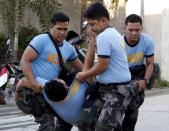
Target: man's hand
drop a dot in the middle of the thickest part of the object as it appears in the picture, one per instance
(91, 39)
(24, 83)
(142, 85)
(81, 76)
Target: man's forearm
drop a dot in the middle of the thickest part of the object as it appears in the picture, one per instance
(97, 68)
(149, 71)
(27, 71)
(77, 64)
(89, 58)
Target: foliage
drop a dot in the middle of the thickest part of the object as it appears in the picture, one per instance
(44, 9)
(10, 10)
(13, 13)
(9, 16)
(26, 34)
(2, 47)
(115, 7)
(13, 17)
(162, 83)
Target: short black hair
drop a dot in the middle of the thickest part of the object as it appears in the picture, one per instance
(133, 18)
(59, 17)
(55, 91)
(96, 11)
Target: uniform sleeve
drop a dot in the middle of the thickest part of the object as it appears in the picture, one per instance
(37, 44)
(103, 47)
(73, 55)
(149, 48)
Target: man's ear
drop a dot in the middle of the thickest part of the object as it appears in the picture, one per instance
(103, 19)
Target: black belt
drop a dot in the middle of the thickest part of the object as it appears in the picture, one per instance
(112, 84)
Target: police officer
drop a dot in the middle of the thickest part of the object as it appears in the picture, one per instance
(111, 71)
(40, 59)
(140, 53)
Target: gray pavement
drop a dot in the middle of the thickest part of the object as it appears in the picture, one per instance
(157, 91)
(154, 114)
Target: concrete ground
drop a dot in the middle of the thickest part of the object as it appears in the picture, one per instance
(12, 120)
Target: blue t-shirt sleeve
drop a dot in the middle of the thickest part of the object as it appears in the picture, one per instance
(37, 44)
(149, 48)
(73, 55)
(103, 47)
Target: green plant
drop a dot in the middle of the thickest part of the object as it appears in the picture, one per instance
(162, 83)
(26, 34)
(13, 12)
(3, 40)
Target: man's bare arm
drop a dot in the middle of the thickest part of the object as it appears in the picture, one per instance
(28, 56)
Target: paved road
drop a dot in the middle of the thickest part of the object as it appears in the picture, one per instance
(154, 115)
(11, 118)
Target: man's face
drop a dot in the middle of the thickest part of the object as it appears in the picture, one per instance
(96, 25)
(133, 31)
(59, 31)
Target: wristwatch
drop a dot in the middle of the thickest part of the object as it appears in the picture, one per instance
(147, 81)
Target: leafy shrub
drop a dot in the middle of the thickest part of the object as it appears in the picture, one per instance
(26, 34)
(162, 83)
(3, 40)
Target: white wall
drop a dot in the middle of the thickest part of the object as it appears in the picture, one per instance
(133, 7)
(155, 6)
(165, 46)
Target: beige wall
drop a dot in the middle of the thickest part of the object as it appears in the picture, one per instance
(30, 18)
(73, 11)
(152, 26)
(156, 22)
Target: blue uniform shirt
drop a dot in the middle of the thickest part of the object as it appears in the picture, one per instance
(110, 44)
(46, 65)
(143, 48)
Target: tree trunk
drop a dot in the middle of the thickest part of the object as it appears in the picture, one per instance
(16, 32)
(142, 14)
(83, 8)
(15, 49)
(119, 19)
(142, 9)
